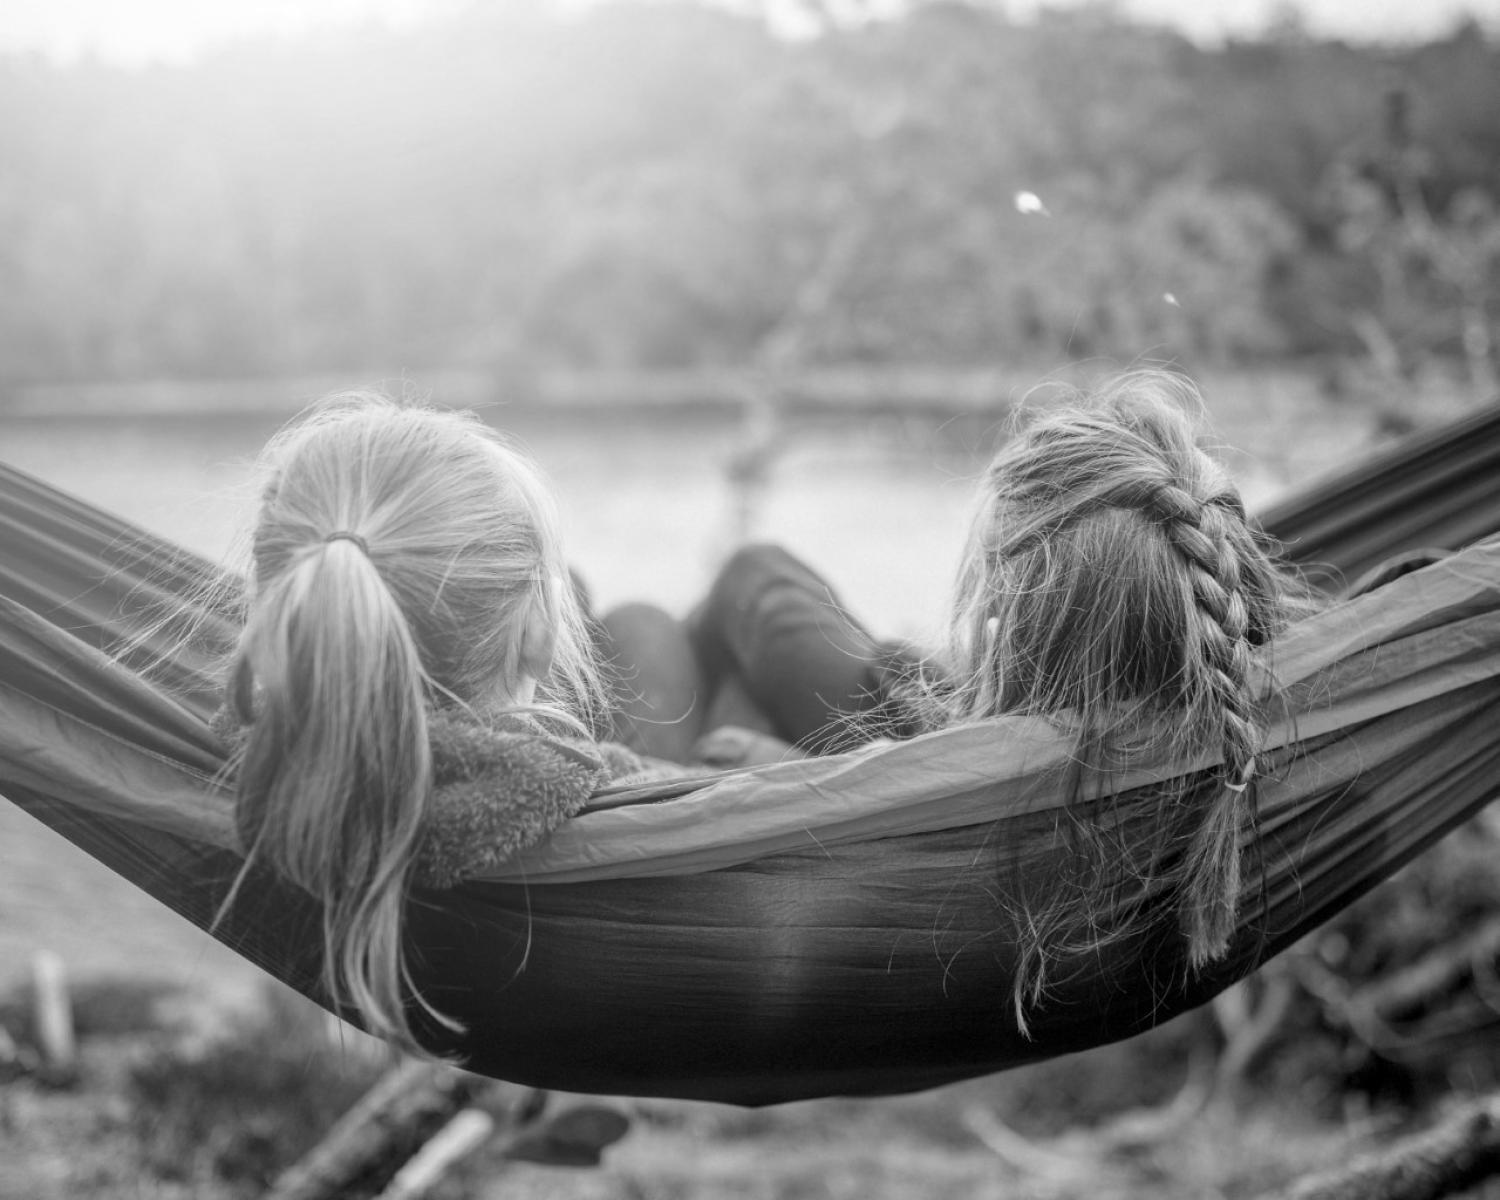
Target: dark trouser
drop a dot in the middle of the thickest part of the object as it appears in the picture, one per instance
(661, 695)
(770, 647)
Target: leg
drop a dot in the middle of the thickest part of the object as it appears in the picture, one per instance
(660, 693)
(774, 625)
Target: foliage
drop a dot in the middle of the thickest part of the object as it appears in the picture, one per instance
(1393, 999)
(104, 1006)
(653, 185)
(242, 1108)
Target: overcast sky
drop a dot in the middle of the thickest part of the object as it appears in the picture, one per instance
(134, 31)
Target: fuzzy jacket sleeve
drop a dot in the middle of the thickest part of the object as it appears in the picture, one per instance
(497, 791)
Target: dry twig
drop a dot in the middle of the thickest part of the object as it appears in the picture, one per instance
(1460, 1151)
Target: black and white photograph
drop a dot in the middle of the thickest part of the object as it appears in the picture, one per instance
(749, 599)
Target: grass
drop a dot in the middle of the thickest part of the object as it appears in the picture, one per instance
(102, 1006)
(160, 1111)
(245, 1106)
(158, 1108)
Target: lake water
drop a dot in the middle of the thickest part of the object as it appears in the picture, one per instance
(879, 505)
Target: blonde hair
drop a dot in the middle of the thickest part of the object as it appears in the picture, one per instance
(1112, 583)
(398, 553)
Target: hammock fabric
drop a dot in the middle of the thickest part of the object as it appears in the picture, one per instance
(1440, 488)
(828, 926)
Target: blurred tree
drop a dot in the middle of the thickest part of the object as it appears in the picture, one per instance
(652, 185)
(1427, 282)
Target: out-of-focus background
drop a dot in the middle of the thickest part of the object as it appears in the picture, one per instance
(759, 269)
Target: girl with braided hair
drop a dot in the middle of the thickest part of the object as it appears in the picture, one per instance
(1112, 586)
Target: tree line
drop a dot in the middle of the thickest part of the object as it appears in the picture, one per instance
(655, 186)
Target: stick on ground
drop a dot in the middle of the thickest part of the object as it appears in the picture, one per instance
(1461, 1150)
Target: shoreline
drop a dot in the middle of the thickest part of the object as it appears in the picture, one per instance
(894, 389)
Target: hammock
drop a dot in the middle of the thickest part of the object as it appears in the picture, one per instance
(1439, 488)
(820, 927)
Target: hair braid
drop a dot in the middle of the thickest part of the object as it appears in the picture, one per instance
(1203, 534)
(1211, 541)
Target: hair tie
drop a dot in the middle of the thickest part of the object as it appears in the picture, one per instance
(345, 535)
(1244, 782)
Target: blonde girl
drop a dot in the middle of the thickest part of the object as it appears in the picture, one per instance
(414, 688)
(1112, 585)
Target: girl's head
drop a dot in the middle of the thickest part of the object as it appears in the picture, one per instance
(1112, 582)
(402, 557)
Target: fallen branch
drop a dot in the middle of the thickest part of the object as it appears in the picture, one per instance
(460, 1137)
(394, 1119)
(1249, 1027)
(421, 1118)
(1410, 991)
(1139, 1127)
(1076, 1157)
(53, 1020)
(1023, 1155)
(1397, 1015)
(1457, 1153)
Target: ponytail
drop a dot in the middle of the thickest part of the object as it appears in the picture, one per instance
(336, 769)
(1217, 554)
(399, 559)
